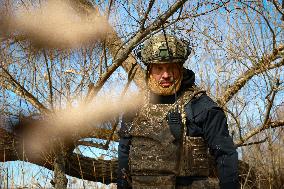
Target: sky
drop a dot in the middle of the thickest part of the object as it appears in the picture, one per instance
(200, 60)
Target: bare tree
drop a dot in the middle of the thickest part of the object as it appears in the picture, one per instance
(238, 58)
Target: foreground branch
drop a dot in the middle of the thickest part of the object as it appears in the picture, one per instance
(13, 149)
(78, 166)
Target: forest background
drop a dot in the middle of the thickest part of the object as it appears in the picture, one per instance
(68, 70)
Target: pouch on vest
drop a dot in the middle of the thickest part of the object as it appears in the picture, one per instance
(195, 160)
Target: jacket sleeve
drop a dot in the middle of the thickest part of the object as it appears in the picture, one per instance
(209, 121)
(123, 156)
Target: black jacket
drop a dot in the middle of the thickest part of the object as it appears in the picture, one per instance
(204, 118)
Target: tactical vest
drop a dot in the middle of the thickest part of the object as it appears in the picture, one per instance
(154, 156)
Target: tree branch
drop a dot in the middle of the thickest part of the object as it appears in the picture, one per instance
(205, 12)
(91, 144)
(252, 143)
(98, 170)
(278, 8)
(114, 43)
(18, 89)
(49, 79)
(267, 23)
(270, 124)
(267, 123)
(264, 65)
(123, 53)
(151, 3)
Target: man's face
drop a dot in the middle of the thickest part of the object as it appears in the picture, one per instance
(165, 74)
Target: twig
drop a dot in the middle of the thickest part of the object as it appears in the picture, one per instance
(262, 66)
(49, 79)
(21, 91)
(278, 8)
(91, 144)
(151, 3)
(267, 123)
(257, 130)
(252, 143)
(267, 23)
(124, 52)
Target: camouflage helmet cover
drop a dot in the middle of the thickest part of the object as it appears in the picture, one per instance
(164, 49)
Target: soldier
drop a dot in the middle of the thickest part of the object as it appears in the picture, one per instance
(166, 144)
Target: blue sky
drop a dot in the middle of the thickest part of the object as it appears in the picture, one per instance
(201, 60)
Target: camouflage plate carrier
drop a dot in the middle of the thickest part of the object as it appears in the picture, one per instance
(155, 160)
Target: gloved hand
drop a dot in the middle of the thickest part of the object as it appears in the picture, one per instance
(122, 184)
(175, 124)
(123, 180)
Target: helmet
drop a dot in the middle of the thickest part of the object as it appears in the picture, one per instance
(164, 48)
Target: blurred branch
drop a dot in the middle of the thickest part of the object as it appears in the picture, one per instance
(115, 124)
(100, 133)
(110, 134)
(13, 149)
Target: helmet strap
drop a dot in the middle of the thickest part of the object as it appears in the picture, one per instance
(167, 44)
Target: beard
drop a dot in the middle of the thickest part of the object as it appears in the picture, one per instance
(155, 86)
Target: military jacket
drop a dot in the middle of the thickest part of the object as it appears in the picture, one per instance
(203, 119)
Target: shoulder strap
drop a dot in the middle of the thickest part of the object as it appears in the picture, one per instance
(186, 97)
(192, 93)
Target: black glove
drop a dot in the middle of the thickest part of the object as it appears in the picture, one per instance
(123, 180)
(122, 184)
(175, 124)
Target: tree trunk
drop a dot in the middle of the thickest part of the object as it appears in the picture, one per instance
(12, 148)
(60, 180)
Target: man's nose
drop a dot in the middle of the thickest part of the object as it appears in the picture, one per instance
(166, 74)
